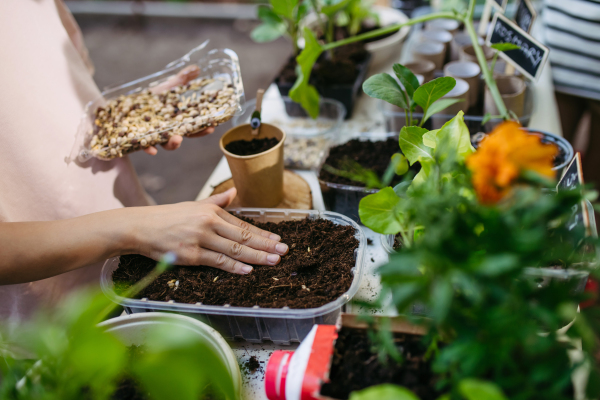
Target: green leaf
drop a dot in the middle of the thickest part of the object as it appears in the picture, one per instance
(411, 143)
(384, 392)
(400, 164)
(407, 79)
(456, 134)
(441, 298)
(378, 211)
(267, 15)
(401, 188)
(475, 389)
(331, 10)
(426, 168)
(284, 8)
(494, 265)
(301, 11)
(433, 90)
(268, 32)
(505, 46)
(438, 106)
(303, 92)
(385, 87)
(430, 138)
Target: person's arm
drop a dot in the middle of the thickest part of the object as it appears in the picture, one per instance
(199, 233)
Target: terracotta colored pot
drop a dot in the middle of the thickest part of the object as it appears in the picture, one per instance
(258, 178)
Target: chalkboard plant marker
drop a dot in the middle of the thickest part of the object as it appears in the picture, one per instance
(255, 120)
(484, 21)
(572, 179)
(525, 15)
(531, 56)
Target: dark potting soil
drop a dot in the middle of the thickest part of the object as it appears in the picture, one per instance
(316, 271)
(373, 155)
(251, 147)
(356, 366)
(252, 365)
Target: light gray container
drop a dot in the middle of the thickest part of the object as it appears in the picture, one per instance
(282, 326)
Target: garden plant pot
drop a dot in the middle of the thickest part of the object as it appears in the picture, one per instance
(467, 53)
(134, 330)
(461, 91)
(390, 47)
(470, 72)
(460, 40)
(255, 324)
(422, 67)
(512, 90)
(383, 49)
(344, 93)
(258, 178)
(345, 198)
(430, 51)
(306, 139)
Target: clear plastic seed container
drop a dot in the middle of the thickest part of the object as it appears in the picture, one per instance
(255, 324)
(219, 78)
(307, 139)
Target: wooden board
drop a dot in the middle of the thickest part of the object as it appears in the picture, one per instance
(296, 192)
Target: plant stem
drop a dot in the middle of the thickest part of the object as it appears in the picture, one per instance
(390, 29)
(488, 75)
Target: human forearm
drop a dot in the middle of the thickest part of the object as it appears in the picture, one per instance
(31, 251)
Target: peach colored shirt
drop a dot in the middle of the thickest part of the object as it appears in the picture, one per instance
(45, 83)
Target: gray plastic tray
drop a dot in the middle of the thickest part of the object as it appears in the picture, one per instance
(254, 324)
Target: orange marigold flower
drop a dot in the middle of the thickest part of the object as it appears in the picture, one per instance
(503, 156)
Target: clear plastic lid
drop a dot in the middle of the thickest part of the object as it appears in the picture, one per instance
(132, 116)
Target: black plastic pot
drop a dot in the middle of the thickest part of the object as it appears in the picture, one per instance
(346, 93)
(344, 199)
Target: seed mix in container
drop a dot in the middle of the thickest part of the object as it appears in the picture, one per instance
(139, 120)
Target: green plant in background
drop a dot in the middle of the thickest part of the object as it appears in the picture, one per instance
(474, 266)
(305, 94)
(281, 18)
(407, 93)
(64, 355)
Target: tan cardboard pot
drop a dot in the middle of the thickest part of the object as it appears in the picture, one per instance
(512, 90)
(258, 178)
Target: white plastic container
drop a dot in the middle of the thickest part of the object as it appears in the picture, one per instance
(255, 324)
(133, 330)
(220, 64)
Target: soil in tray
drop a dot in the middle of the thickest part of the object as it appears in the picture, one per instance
(356, 366)
(373, 155)
(316, 271)
(251, 147)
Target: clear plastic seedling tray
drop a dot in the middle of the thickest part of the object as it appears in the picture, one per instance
(255, 324)
(221, 66)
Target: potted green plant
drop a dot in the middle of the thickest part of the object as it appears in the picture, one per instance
(65, 354)
(368, 163)
(337, 74)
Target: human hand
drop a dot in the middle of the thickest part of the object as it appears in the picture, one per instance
(183, 77)
(202, 233)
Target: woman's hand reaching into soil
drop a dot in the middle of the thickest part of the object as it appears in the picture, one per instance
(202, 233)
(183, 77)
(199, 233)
